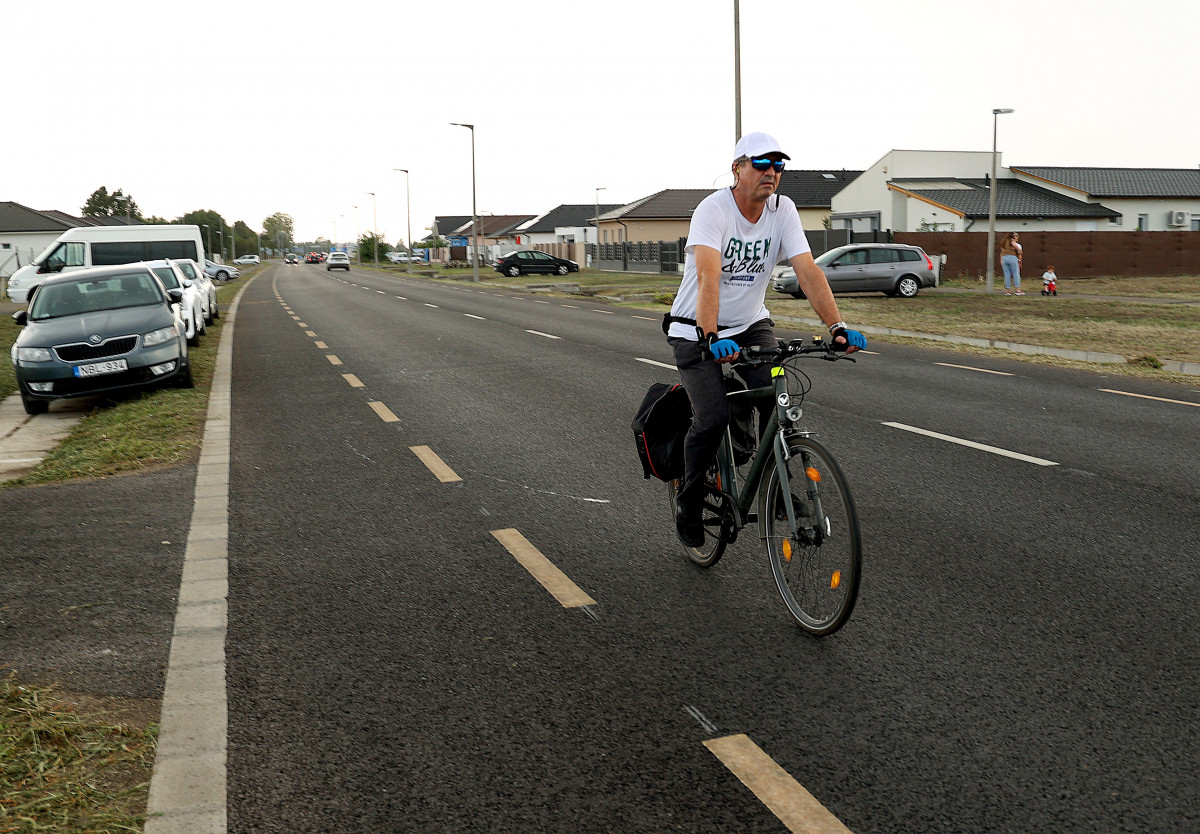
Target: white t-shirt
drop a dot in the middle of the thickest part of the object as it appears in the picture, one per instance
(748, 252)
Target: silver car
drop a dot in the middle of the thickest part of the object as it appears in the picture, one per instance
(220, 272)
(895, 269)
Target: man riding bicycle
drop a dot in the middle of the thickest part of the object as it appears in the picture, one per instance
(737, 235)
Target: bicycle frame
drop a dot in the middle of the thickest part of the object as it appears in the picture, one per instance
(772, 443)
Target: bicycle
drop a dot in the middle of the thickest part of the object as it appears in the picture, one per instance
(813, 542)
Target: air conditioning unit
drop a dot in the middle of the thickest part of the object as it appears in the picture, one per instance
(1177, 218)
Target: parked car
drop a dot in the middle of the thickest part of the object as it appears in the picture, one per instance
(193, 308)
(247, 259)
(338, 260)
(220, 272)
(291, 259)
(97, 330)
(312, 258)
(895, 269)
(208, 290)
(529, 261)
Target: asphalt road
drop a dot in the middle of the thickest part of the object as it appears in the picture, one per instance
(1022, 657)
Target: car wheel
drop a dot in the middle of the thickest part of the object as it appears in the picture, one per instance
(208, 316)
(33, 406)
(222, 275)
(216, 309)
(194, 339)
(513, 271)
(202, 328)
(907, 287)
(563, 269)
(184, 378)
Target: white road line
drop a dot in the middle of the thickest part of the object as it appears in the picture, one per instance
(354, 381)
(473, 316)
(385, 413)
(605, 312)
(652, 362)
(402, 298)
(539, 333)
(321, 345)
(435, 464)
(539, 301)
(969, 368)
(572, 306)
(786, 798)
(644, 318)
(434, 306)
(970, 443)
(1147, 397)
(333, 360)
(542, 569)
(381, 292)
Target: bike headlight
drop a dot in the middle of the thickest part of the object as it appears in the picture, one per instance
(794, 413)
(158, 337)
(33, 354)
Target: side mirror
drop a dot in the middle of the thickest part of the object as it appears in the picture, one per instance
(21, 317)
(175, 296)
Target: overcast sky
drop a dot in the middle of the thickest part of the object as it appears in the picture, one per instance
(254, 107)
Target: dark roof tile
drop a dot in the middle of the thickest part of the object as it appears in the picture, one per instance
(1151, 183)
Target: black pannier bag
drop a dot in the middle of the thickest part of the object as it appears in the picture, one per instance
(662, 422)
(659, 428)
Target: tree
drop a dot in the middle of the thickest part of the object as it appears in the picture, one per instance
(215, 223)
(366, 246)
(278, 231)
(116, 204)
(246, 239)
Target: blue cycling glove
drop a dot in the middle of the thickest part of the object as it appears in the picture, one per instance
(853, 339)
(722, 348)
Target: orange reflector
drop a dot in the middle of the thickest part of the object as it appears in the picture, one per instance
(813, 474)
(835, 580)
(787, 550)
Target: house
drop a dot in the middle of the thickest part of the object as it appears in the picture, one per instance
(950, 191)
(565, 224)
(1144, 199)
(813, 192)
(444, 224)
(25, 232)
(662, 216)
(497, 233)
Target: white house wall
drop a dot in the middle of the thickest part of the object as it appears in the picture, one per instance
(19, 248)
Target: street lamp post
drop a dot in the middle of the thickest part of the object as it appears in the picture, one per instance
(408, 216)
(991, 247)
(596, 248)
(737, 73)
(474, 215)
(208, 231)
(221, 232)
(357, 254)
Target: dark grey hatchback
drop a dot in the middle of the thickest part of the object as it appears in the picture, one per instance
(98, 330)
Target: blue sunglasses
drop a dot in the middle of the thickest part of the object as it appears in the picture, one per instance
(765, 164)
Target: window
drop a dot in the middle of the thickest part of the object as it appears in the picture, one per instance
(909, 255)
(131, 251)
(883, 256)
(65, 254)
(1115, 221)
(858, 256)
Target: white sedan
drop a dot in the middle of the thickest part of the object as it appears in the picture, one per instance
(208, 291)
(172, 278)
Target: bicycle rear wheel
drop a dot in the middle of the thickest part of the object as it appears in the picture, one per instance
(713, 516)
(817, 570)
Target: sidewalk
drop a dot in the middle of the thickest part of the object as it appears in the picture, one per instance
(25, 440)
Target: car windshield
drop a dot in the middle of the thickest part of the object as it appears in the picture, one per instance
(187, 270)
(110, 293)
(168, 277)
(825, 258)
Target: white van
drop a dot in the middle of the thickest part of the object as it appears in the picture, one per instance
(107, 246)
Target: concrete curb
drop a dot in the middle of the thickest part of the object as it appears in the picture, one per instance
(188, 786)
(1064, 353)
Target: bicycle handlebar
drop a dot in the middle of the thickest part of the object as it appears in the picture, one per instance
(758, 355)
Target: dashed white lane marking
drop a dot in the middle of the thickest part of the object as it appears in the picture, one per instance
(354, 381)
(572, 306)
(385, 413)
(652, 362)
(402, 298)
(435, 464)
(321, 345)
(333, 360)
(786, 798)
(869, 352)
(432, 305)
(302, 324)
(568, 594)
(605, 312)
(995, 450)
(473, 316)
(1147, 397)
(644, 318)
(312, 334)
(969, 368)
(539, 301)
(539, 333)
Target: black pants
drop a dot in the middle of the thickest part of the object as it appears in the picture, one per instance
(702, 379)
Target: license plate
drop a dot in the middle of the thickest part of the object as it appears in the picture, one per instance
(98, 368)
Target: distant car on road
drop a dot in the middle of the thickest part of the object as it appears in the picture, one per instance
(312, 258)
(247, 259)
(220, 272)
(291, 259)
(97, 330)
(338, 260)
(895, 269)
(529, 261)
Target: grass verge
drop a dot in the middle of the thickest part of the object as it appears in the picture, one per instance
(69, 771)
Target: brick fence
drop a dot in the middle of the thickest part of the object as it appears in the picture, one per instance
(1073, 254)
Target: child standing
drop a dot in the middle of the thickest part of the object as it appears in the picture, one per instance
(1049, 282)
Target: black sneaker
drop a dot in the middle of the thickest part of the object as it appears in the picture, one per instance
(688, 524)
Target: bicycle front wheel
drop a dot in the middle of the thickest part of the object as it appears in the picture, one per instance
(817, 569)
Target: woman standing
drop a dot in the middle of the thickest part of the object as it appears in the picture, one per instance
(1010, 262)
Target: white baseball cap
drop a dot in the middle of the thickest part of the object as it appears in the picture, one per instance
(757, 144)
